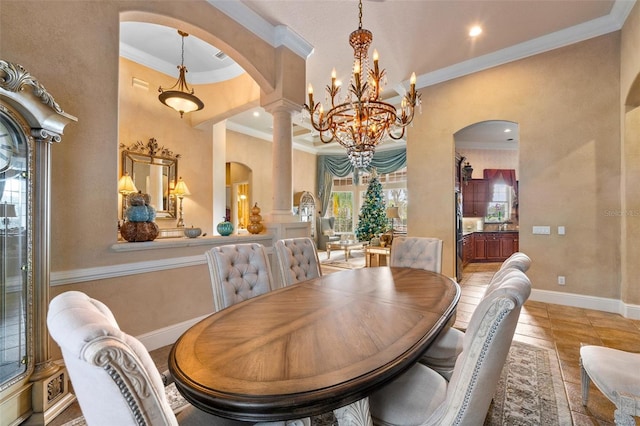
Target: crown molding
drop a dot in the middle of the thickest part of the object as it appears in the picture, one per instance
(274, 35)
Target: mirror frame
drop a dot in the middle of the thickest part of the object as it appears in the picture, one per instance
(153, 154)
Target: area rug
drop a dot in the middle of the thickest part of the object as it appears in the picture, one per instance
(530, 392)
(337, 260)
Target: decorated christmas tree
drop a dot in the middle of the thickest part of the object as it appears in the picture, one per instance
(372, 220)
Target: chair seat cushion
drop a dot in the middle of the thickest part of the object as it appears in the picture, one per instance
(410, 399)
(445, 349)
(612, 370)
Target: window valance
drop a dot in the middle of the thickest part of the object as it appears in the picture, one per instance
(338, 165)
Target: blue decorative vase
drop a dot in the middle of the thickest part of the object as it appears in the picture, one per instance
(225, 228)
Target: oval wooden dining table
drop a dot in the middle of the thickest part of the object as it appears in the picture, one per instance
(312, 347)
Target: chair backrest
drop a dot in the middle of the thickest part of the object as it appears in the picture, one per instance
(326, 225)
(517, 260)
(113, 375)
(417, 252)
(486, 345)
(238, 272)
(297, 260)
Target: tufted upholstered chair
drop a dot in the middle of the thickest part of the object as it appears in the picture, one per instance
(113, 375)
(297, 260)
(517, 260)
(443, 352)
(238, 272)
(616, 374)
(421, 396)
(417, 252)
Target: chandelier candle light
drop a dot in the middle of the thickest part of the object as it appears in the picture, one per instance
(362, 121)
(183, 99)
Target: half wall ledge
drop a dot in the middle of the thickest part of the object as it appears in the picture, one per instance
(170, 243)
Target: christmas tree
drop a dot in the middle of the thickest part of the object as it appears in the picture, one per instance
(372, 220)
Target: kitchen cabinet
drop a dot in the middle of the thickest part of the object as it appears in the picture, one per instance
(475, 196)
(467, 249)
(494, 246)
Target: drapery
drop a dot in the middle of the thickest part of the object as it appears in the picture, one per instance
(339, 165)
(508, 176)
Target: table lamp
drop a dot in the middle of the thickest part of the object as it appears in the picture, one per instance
(392, 213)
(181, 190)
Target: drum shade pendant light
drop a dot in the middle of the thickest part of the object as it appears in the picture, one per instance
(182, 100)
(361, 120)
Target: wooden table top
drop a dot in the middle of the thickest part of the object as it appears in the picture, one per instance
(312, 347)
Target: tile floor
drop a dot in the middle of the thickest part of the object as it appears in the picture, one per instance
(563, 329)
(557, 327)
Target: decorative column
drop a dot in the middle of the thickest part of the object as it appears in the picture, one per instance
(281, 221)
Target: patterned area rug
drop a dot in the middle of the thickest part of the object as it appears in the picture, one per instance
(530, 392)
(337, 260)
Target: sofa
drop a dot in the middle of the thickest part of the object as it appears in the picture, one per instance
(326, 233)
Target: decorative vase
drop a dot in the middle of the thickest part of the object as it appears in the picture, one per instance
(192, 232)
(255, 227)
(225, 228)
(139, 231)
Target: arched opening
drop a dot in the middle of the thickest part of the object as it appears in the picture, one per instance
(487, 217)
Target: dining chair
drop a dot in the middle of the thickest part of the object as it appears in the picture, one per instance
(238, 272)
(112, 373)
(421, 396)
(517, 260)
(297, 260)
(443, 352)
(417, 252)
(616, 374)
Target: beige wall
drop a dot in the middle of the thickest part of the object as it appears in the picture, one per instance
(630, 156)
(566, 103)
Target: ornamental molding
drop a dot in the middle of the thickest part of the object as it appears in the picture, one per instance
(14, 78)
(151, 148)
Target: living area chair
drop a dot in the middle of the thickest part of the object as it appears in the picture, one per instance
(113, 375)
(297, 260)
(326, 232)
(421, 396)
(238, 272)
(417, 252)
(443, 352)
(616, 374)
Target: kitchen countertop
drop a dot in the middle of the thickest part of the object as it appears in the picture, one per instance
(490, 232)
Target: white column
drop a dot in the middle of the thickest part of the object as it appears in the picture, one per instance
(219, 164)
(282, 174)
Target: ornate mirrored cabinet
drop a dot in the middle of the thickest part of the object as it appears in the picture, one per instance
(153, 170)
(31, 385)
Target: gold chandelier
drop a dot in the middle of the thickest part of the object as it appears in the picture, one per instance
(182, 100)
(361, 120)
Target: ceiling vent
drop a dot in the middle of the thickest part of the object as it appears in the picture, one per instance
(221, 55)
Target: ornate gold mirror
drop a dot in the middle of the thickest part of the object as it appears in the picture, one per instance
(153, 170)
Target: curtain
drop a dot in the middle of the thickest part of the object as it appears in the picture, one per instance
(508, 176)
(338, 165)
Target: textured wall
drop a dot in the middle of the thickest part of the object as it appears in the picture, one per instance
(566, 103)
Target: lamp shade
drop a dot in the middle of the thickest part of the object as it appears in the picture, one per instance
(392, 213)
(8, 210)
(126, 185)
(181, 188)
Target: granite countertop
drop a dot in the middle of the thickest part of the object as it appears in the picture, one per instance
(490, 232)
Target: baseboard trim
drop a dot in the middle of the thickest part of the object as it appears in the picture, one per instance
(167, 335)
(615, 306)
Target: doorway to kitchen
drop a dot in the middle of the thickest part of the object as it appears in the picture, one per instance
(487, 222)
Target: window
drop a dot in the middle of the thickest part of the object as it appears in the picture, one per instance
(499, 207)
(342, 209)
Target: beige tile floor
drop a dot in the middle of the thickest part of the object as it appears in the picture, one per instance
(557, 327)
(563, 329)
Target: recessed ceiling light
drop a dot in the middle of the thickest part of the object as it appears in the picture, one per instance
(507, 130)
(256, 113)
(475, 31)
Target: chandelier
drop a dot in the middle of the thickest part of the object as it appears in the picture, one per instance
(361, 121)
(182, 100)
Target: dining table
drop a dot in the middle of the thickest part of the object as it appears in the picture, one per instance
(314, 346)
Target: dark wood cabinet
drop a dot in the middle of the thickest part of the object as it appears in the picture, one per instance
(467, 249)
(475, 196)
(493, 246)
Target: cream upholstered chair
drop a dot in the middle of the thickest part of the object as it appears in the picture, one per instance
(443, 352)
(517, 260)
(326, 232)
(113, 375)
(616, 374)
(421, 396)
(238, 272)
(297, 260)
(417, 252)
